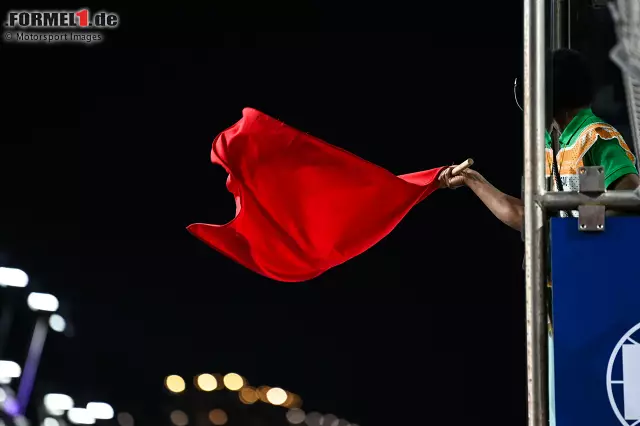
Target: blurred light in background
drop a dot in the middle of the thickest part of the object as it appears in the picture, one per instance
(314, 419)
(218, 417)
(100, 410)
(233, 381)
(248, 395)
(43, 302)
(80, 416)
(3, 395)
(276, 396)
(179, 418)
(262, 393)
(21, 420)
(11, 277)
(342, 422)
(57, 323)
(174, 383)
(296, 416)
(10, 369)
(11, 407)
(125, 419)
(293, 401)
(50, 421)
(5, 381)
(206, 382)
(329, 420)
(57, 403)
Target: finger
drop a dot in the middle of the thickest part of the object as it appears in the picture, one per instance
(443, 180)
(444, 174)
(446, 177)
(456, 181)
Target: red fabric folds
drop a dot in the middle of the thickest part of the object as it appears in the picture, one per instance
(303, 206)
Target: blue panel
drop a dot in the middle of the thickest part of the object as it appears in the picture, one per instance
(596, 307)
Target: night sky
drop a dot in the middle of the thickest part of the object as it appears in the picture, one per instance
(105, 160)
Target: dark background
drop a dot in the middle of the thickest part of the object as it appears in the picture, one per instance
(105, 160)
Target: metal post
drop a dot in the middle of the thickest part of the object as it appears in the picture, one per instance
(534, 180)
(559, 21)
(569, 20)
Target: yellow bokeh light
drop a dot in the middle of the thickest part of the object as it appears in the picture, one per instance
(174, 383)
(233, 381)
(262, 393)
(277, 396)
(293, 401)
(218, 417)
(248, 395)
(289, 400)
(206, 382)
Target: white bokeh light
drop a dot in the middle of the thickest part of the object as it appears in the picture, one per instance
(12, 277)
(57, 323)
(80, 416)
(296, 416)
(10, 369)
(314, 419)
(277, 396)
(100, 410)
(329, 420)
(43, 302)
(57, 403)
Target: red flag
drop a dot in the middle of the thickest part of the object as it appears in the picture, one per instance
(303, 206)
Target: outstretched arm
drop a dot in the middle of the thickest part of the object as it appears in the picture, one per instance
(509, 210)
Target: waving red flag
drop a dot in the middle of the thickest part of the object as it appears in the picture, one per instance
(303, 206)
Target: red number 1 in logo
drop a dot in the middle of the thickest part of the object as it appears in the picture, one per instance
(83, 17)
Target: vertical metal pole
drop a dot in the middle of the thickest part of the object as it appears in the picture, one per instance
(569, 20)
(559, 22)
(534, 179)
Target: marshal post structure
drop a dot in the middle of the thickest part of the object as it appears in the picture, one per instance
(594, 258)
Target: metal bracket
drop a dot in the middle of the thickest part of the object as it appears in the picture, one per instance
(591, 216)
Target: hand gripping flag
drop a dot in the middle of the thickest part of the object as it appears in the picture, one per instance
(303, 206)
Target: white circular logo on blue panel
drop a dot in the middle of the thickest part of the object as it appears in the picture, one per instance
(626, 405)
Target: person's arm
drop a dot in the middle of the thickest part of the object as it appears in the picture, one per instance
(509, 210)
(620, 173)
(627, 182)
